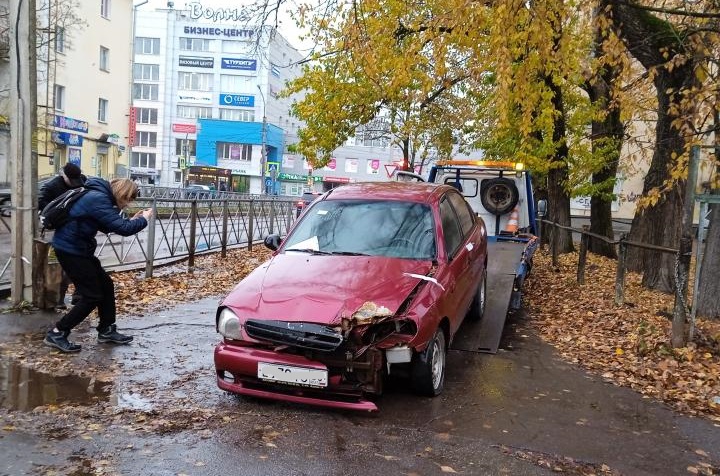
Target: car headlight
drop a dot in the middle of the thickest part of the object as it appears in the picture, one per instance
(229, 325)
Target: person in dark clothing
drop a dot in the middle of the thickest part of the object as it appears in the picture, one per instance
(70, 176)
(75, 243)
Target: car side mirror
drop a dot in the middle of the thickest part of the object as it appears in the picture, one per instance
(272, 242)
(542, 208)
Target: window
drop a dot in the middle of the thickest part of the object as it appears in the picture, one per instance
(180, 148)
(195, 81)
(451, 228)
(145, 91)
(143, 159)
(146, 72)
(233, 46)
(105, 8)
(104, 59)
(227, 150)
(235, 84)
(374, 134)
(146, 139)
(147, 46)
(194, 112)
(243, 115)
(464, 213)
(59, 92)
(194, 44)
(147, 115)
(59, 39)
(177, 176)
(102, 110)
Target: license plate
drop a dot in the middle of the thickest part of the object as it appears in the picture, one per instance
(300, 376)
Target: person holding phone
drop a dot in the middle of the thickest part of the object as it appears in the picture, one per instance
(75, 243)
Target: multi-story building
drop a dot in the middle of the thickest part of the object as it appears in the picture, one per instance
(83, 92)
(201, 89)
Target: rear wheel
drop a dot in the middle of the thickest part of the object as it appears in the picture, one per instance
(477, 308)
(428, 367)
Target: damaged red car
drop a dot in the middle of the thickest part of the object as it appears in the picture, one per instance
(371, 283)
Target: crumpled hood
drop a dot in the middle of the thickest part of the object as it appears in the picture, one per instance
(322, 289)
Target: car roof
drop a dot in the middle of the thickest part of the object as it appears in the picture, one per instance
(404, 191)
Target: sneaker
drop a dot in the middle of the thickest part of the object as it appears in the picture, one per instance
(59, 341)
(110, 334)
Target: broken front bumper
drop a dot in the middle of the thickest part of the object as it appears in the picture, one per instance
(237, 372)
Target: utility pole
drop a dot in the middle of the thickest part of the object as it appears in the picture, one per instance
(23, 145)
(263, 150)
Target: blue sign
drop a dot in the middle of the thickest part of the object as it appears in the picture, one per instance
(239, 100)
(70, 123)
(67, 138)
(74, 156)
(239, 63)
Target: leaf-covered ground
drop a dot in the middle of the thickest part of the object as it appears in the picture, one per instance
(629, 344)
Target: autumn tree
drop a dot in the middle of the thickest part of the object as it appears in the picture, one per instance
(668, 52)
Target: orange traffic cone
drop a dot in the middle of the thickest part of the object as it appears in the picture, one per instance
(512, 224)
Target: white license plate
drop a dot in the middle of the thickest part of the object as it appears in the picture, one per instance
(291, 375)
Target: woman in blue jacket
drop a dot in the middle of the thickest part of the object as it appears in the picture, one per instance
(74, 244)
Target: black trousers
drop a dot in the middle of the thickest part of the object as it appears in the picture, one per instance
(95, 287)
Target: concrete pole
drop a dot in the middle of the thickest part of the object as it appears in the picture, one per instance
(23, 145)
(263, 150)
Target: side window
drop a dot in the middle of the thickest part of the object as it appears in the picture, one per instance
(464, 213)
(451, 228)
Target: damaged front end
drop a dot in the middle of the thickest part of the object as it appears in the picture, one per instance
(336, 365)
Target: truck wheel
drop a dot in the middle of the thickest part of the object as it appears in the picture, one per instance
(477, 308)
(499, 195)
(428, 367)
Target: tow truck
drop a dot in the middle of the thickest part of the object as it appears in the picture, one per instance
(501, 194)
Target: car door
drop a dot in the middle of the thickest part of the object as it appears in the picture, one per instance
(473, 242)
(459, 254)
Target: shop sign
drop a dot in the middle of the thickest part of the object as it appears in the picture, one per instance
(238, 100)
(67, 138)
(239, 64)
(184, 128)
(195, 97)
(74, 156)
(337, 179)
(70, 123)
(298, 177)
(193, 62)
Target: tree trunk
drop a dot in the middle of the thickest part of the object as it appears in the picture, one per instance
(607, 140)
(660, 224)
(558, 195)
(648, 38)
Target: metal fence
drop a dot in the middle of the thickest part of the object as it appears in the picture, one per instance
(180, 229)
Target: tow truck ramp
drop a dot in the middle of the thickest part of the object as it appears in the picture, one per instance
(504, 258)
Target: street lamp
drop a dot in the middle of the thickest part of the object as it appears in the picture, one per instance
(263, 150)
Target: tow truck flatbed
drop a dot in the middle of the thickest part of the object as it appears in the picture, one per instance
(508, 264)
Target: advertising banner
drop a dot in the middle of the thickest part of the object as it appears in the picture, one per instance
(241, 64)
(237, 100)
(194, 62)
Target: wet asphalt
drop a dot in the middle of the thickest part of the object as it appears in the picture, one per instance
(521, 411)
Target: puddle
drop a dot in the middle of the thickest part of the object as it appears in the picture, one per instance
(131, 401)
(23, 389)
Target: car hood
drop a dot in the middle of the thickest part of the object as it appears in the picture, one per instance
(323, 289)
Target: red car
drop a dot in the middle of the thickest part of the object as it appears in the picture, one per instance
(371, 283)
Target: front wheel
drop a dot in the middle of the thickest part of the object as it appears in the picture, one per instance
(428, 367)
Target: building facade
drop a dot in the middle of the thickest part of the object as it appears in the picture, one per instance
(83, 93)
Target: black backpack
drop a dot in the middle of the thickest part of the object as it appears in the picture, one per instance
(57, 212)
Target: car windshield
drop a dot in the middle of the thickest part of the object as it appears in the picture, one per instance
(373, 228)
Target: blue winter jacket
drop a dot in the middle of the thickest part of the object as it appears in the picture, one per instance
(95, 211)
